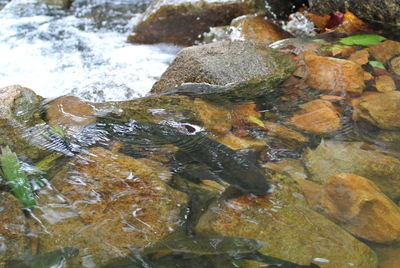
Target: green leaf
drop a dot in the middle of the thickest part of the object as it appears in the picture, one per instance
(362, 39)
(16, 177)
(377, 64)
(256, 121)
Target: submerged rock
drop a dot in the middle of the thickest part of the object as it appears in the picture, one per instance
(384, 83)
(287, 227)
(381, 110)
(385, 51)
(182, 22)
(317, 116)
(104, 202)
(327, 73)
(229, 62)
(13, 229)
(357, 204)
(331, 158)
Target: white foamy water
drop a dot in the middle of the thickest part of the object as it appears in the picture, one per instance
(56, 54)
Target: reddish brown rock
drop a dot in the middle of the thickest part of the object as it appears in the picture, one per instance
(242, 112)
(385, 83)
(358, 205)
(182, 22)
(237, 143)
(385, 51)
(317, 116)
(277, 130)
(333, 74)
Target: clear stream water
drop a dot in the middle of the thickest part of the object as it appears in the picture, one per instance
(82, 52)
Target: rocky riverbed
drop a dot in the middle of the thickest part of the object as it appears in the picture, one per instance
(255, 148)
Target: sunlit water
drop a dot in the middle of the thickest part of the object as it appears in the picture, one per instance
(82, 52)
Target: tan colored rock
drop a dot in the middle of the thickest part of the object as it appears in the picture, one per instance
(333, 157)
(287, 227)
(292, 167)
(357, 204)
(182, 22)
(13, 229)
(277, 130)
(395, 65)
(237, 143)
(385, 51)
(333, 74)
(382, 111)
(384, 83)
(317, 116)
(368, 76)
(69, 113)
(360, 57)
(214, 118)
(103, 203)
(355, 102)
(256, 28)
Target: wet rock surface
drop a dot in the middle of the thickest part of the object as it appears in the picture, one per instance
(105, 202)
(19, 111)
(381, 111)
(182, 22)
(331, 158)
(357, 204)
(223, 63)
(284, 216)
(13, 229)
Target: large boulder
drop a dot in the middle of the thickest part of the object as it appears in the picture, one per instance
(384, 11)
(104, 202)
(331, 158)
(287, 227)
(182, 22)
(227, 62)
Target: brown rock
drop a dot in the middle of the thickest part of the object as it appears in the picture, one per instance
(331, 158)
(317, 116)
(214, 118)
(103, 203)
(237, 143)
(292, 167)
(389, 257)
(258, 29)
(382, 111)
(395, 65)
(13, 229)
(385, 51)
(328, 73)
(360, 57)
(69, 113)
(358, 205)
(385, 83)
(355, 102)
(182, 22)
(287, 227)
(242, 112)
(368, 76)
(277, 130)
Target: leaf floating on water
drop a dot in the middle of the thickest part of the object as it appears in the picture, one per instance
(362, 39)
(257, 121)
(377, 64)
(208, 245)
(16, 178)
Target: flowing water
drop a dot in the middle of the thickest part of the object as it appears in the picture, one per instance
(82, 52)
